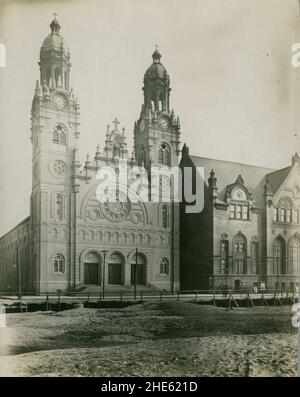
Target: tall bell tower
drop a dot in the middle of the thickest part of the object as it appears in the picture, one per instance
(157, 132)
(54, 133)
(156, 144)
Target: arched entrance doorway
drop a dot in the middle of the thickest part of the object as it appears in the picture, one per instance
(115, 269)
(138, 270)
(92, 269)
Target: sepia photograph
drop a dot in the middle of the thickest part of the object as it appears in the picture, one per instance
(149, 190)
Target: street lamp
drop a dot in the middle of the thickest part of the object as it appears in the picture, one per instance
(103, 252)
(19, 272)
(134, 275)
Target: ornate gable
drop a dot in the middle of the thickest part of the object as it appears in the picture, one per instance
(237, 191)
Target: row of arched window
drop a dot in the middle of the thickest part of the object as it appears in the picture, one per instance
(164, 154)
(115, 265)
(286, 256)
(239, 255)
(285, 215)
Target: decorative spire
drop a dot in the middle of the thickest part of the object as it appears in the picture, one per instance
(296, 159)
(212, 183)
(37, 89)
(185, 149)
(87, 161)
(55, 26)
(240, 180)
(212, 180)
(268, 187)
(98, 153)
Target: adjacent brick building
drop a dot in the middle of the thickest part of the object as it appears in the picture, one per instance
(247, 236)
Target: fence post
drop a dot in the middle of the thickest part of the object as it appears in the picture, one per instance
(47, 302)
(214, 298)
(161, 296)
(59, 307)
(21, 304)
(229, 301)
(141, 296)
(178, 295)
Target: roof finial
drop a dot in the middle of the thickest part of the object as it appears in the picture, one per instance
(55, 26)
(156, 55)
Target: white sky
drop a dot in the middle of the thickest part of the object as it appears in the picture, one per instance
(229, 61)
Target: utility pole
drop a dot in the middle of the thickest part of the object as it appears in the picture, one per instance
(103, 252)
(19, 272)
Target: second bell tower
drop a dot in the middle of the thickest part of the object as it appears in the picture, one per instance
(157, 132)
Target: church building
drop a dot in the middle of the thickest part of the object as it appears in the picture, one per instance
(246, 238)
(71, 241)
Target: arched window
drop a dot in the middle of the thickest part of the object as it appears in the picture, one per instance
(240, 254)
(164, 154)
(164, 216)
(283, 213)
(59, 206)
(164, 266)
(279, 256)
(59, 263)
(294, 256)
(59, 136)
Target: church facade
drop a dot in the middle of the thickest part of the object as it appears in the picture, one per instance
(71, 240)
(246, 237)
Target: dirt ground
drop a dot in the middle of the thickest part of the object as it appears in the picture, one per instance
(150, 339)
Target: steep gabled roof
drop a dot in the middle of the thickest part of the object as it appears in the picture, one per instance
(227, 173)
(277, 178)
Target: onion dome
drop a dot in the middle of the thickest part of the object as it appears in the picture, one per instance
(54, 41)
(157, 69)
